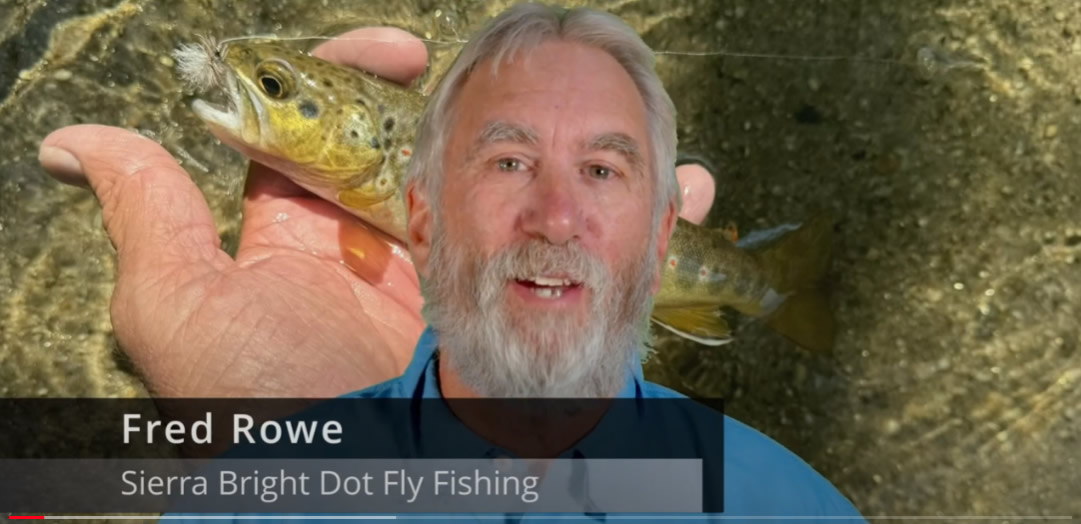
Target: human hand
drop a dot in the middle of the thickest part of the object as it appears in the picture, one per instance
(286, 317)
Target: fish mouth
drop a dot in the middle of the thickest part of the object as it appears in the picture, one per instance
(230, 120)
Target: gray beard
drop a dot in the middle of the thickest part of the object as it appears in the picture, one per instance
(504, 353)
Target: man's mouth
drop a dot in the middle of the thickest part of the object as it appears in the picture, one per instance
(550, 288)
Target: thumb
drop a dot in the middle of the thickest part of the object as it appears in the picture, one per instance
(152, 210)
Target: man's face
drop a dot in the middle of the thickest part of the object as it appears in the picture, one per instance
(542, 256)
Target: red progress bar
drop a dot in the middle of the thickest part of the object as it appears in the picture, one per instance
(16, 517)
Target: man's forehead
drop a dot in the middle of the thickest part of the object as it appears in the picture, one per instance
(552, 62)
(578, 91)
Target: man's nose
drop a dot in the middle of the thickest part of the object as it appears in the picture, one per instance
(554, 212)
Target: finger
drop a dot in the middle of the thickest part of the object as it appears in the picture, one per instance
(152, 210)
(698, 190)
(388, 52)
(278, 213)
(314, 226)
(264, 184)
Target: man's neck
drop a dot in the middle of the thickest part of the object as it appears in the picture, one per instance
(525, 427)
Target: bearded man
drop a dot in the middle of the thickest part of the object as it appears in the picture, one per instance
(541, 199)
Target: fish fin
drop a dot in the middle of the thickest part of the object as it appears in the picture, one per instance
(806, 320)
(799, 258)
(797, 262)
(701, 324)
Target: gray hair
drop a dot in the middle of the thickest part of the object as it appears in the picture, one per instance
(524, 27)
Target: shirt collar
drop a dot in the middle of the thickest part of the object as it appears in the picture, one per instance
(423, 373)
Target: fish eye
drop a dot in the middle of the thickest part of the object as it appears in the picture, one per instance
(271, 85)
(275, 79)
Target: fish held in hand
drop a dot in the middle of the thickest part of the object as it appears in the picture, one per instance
(342, 134)
(346, 136)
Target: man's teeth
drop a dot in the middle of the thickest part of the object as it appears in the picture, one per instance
(544, 281)
(548, 292)
(551, 288)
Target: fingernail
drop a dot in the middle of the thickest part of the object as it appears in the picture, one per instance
(62, 165)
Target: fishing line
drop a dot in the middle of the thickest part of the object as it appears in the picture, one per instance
(927, 59)
(924, 52)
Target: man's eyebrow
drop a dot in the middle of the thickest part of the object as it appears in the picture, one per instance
(500, 131)
(621, 143)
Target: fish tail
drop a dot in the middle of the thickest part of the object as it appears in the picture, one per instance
(796, 264)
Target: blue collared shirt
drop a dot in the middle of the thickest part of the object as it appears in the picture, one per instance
(761, 478)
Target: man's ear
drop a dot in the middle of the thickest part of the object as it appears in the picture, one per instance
(419, 227)
(668, 224)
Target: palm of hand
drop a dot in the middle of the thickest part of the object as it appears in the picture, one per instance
(298, 313)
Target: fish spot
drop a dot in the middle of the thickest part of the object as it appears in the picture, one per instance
(360, 102)
(328, 83)
(672, 262)
(388, 124)
(309, 109)
(353, 133)
(808, 114)
(374, 142)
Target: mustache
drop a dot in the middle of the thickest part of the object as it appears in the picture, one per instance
(534, 258)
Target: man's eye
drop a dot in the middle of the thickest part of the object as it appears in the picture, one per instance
(600, 172)
(509, 164)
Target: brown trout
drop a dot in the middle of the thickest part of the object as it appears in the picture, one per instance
(346, 136)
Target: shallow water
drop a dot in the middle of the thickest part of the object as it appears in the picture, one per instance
(942, 135)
